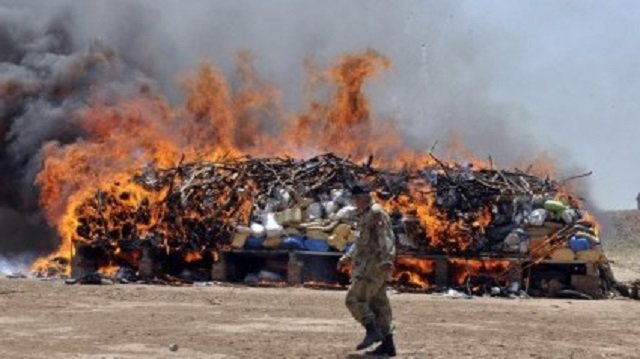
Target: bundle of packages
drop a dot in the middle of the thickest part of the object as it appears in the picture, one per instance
(524, 210)
(191, 211)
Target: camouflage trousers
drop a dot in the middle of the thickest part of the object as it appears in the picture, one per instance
(368, 302)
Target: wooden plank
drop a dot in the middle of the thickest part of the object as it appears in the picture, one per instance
(219, 270)
(442, 272)
(294, 270)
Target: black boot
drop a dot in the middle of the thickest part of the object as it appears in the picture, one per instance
(371, 337)
(385, 348)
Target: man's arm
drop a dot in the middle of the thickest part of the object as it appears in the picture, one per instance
(348, 254)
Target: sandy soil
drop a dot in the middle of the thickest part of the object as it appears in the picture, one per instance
(53, 320)
(621, 228)
(625, 263)
(622, 242)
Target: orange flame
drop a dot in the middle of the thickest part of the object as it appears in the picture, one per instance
(192, 256)
(464, 268)
(413, 271)
(109, 271)
(215, 122)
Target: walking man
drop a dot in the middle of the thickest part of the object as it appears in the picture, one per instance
(371, 257)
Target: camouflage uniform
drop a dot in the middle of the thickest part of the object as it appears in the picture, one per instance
(367, 296)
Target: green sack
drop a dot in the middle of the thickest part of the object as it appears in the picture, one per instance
(556, 207)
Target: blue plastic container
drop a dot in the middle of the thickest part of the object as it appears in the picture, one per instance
(578, 244)
(254, 242)
(293, 242)
(316, 245)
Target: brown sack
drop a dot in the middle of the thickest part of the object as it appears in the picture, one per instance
(239, 240)
(563, 254)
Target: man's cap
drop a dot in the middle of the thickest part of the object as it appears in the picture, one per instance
(359, 188)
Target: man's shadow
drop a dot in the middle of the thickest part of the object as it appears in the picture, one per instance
(363, 356)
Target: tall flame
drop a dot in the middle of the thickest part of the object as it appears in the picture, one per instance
(219, 121)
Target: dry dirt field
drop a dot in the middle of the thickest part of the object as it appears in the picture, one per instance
(54, 320)
(40, 319)
(622, 242)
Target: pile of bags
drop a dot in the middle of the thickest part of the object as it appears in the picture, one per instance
(581, 241)
(328, 222)
(321, 224)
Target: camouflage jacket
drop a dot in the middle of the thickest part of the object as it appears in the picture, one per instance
(375, 244)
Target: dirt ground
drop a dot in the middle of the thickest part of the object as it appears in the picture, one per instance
(53, 320)
(622, 242)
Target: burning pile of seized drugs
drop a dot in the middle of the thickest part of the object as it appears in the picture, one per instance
(176, 220)
(126, 205)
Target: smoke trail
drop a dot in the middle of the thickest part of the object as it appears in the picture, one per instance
(17, 264)
(44, 80)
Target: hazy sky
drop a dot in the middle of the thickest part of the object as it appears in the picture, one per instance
(512, 77)
(576, 73)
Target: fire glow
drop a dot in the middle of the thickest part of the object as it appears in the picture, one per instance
(463, 269)
(92, 178)
(414, 272)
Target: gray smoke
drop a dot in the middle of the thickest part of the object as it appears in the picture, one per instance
(45, 77)
(439, 82)
(53, 52)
